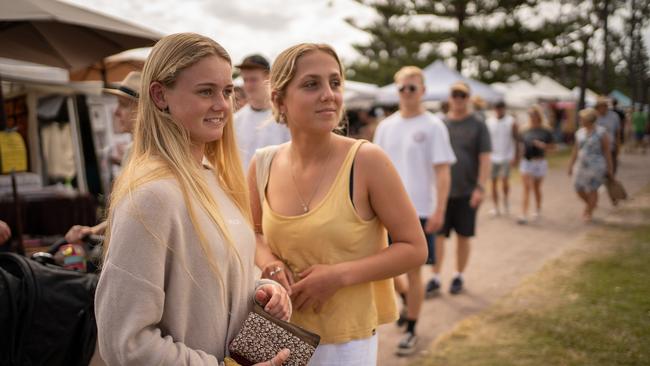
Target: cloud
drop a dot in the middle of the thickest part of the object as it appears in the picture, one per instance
(246, 27)
(266, 18)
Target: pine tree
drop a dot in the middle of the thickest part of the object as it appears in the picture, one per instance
(395, 43)
(491, 37)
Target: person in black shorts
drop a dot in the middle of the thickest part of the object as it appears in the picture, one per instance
(470, 140)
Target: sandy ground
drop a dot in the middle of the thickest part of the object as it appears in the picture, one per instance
(504, 252)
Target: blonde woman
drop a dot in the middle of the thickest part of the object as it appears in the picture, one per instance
(177, 280)
(536, 139)
(592, 159)
(320, 205)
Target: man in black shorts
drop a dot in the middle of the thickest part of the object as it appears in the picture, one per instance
(470, 141)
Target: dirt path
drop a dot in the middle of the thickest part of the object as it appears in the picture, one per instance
(504, 252)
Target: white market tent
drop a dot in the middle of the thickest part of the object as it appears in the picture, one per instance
(518, 94)
(359, 95)
(549, 89)
(438, 79)
(590, 96)
(522, 94)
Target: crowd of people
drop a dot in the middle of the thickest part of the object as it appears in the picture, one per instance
(220, 180)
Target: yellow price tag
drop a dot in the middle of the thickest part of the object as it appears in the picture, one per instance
(13, 155)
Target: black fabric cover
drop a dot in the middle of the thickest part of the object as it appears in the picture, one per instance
(46, 314)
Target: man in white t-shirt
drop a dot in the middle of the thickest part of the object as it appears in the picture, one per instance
(254, 124)
(418, 145)
(503, 134)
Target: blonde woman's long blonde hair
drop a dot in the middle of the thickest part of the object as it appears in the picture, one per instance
(161, 146)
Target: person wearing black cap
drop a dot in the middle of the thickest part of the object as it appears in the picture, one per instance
(127, 93)
(254, 124)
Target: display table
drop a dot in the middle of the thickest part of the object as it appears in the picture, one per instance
(49, 212)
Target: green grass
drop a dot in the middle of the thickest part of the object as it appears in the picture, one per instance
(559, 158)
(592, 311)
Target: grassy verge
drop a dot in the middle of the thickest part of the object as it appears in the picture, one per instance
(559, 158)
(591, 307)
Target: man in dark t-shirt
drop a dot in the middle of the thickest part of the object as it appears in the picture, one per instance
(470, 140)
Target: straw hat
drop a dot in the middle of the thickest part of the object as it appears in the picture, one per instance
(602, 101)
(460, 86)
(129, 87)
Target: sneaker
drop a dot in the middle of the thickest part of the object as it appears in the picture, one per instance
(456, 286)
(536, 216)
(407, 345)
(522, 220)
(432, 289)
(494, 212)
(402, 319)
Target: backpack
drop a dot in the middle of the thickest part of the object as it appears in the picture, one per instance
(46, 313)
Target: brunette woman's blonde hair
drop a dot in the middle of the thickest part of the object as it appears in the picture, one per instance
(161, 147)
(284, 70)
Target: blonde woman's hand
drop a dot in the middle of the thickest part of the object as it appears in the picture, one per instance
(280, 273)
(278, 360)
(275, 300)
(5, 232)
(317, 284)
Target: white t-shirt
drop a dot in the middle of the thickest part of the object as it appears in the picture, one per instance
(415, 145)
(503, 142)
(257, 129)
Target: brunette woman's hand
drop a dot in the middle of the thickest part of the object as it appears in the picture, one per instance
(275, 300)
(316, 285)
(280, 273)
(278, 360)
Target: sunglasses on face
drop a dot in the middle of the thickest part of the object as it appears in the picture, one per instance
(458, 94)
(408, 87)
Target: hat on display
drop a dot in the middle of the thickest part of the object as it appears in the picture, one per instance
(129, 87)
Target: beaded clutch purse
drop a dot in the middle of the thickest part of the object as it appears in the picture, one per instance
(262, 336)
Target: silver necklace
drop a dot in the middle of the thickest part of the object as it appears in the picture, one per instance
(305, 205)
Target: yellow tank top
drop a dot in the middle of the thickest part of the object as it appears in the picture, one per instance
(332, 232)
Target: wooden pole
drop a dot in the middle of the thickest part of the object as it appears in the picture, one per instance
(20, 248)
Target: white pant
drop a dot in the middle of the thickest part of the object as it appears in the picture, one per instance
(359, 352)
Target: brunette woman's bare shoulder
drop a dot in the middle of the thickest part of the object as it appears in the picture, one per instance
(371, 156)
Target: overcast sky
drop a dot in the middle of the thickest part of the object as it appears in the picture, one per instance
(251, 26)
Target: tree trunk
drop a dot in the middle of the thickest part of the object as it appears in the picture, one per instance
(630, 59)
(605, 17)
(583, 74)
(460, 38)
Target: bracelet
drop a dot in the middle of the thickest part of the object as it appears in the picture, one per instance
(275, 271)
